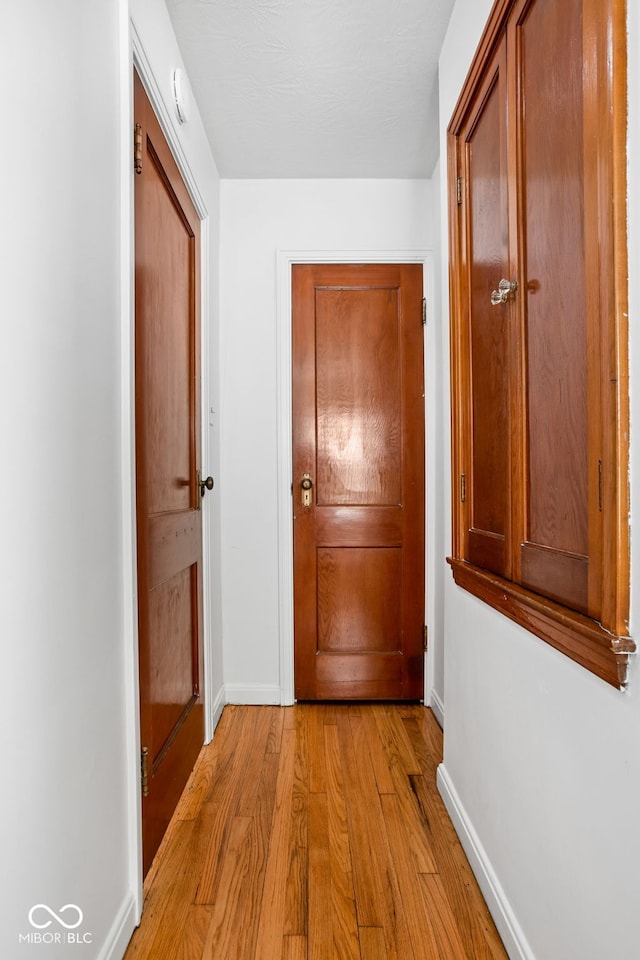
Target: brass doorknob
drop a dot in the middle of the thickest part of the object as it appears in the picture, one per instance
(206, 485)
(306, 485)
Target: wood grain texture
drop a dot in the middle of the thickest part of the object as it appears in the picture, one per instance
(168, 523)
(333, 873)
(553, 273)
(171, 651)
(557, 181)
(359, 600)
(358, 409)
(358, 433)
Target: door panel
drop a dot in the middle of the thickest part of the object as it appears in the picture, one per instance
(169, 531)
(555, 551)
(359, 599)
(358, 399)
(358, 416)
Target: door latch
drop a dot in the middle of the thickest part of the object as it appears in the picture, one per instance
(306, 487)
(201, 488)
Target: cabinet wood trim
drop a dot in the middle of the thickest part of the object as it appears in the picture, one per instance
(578, 637)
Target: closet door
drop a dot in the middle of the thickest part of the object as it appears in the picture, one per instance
(485, 478)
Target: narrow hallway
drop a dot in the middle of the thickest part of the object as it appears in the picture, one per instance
(315, 831)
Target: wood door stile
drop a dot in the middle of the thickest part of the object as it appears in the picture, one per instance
(358, 433)
(169, 525)
(490, 363)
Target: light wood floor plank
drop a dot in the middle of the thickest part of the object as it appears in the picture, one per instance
(402, 764)
(418, 919)
(231, 931)
(294, 948)
(378, 755)
(372, 943)
(162, 893)
(218, 817)
(395, 741)
(317, 758)
(320, 921)
(194, 935)
(251, 773)
(426, 743)
(238, 777)
(199, 784)
(273, 907)
(238, 729)
(296, 892)
(442, 919)
(181, 870)
(467, 903)
(343, 904)
(274, 740)
(369, 895)
(390, 903)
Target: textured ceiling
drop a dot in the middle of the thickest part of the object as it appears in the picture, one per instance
(316, 88)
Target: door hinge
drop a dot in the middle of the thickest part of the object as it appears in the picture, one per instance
(144, 771)
(463, 488)
(459, 190)
(425, 637)
(424, 310)
(137, 148)
(600, 485)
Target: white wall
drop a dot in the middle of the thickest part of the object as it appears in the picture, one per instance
(258, 218)
(63, 803)
(542, 760)
(68, 807)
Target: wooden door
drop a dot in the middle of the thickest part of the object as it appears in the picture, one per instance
(558, 216)
(485, 484)
(358, 444)
(169, 529)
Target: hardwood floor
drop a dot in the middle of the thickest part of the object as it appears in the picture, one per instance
(315, 832)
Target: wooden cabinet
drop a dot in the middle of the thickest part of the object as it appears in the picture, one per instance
(538, 298)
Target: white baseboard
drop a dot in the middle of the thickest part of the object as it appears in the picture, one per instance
(121, 931)
(252, 693)
(515, 942)
(436, 704)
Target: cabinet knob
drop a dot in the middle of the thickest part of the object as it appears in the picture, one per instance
(504, 291)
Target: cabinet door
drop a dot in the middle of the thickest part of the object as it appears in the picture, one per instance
(486, 481)
(540, 381)
(546, 38)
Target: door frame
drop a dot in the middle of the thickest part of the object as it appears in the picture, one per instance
(285, 261)
(137, 58)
